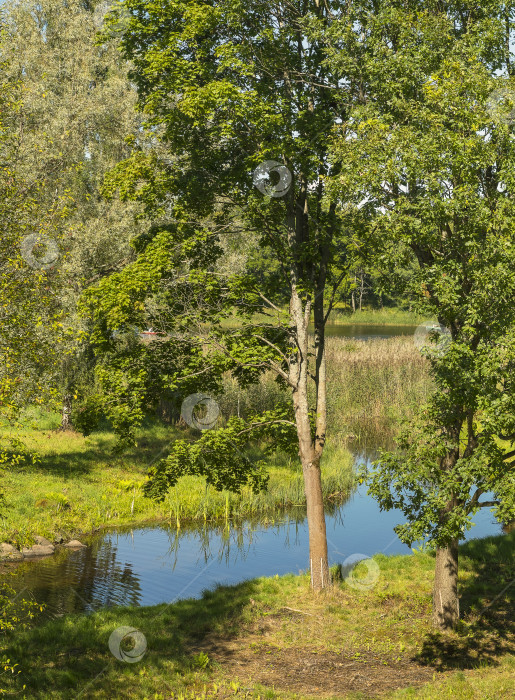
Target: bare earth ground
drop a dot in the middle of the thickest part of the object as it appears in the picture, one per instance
(327, 674)
(308, 672)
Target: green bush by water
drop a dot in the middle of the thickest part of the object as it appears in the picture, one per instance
(79, 484)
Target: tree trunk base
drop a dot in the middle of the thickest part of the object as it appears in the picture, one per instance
(318, 562)
(66, 420)
(320, 574)
(446, 611)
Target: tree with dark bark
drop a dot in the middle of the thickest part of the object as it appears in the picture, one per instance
(430, 165)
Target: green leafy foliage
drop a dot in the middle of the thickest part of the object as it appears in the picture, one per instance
(74, 109)
(430, 167)
(219, 114)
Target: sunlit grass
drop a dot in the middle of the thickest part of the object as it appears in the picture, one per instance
(373, 386)
(203, 648)
(343, 315)
(80, 484)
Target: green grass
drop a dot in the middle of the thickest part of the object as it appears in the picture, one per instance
(80, 484)
(272, 637)
(374, 317)
(381, 317)
(373, 386)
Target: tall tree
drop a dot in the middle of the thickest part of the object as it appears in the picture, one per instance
(246, 104)
(29, 233)
(76, 110)
(430, 165)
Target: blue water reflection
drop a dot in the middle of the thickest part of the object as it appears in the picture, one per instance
(158, 564)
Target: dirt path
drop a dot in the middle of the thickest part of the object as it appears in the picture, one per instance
(309, 673)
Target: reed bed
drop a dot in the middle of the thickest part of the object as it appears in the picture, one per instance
(193, 501)
(391, 316)
(384, 316)
(372, 387)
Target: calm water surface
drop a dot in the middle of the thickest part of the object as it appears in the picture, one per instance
(158, 564)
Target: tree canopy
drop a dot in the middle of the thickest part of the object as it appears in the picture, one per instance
(429, 163)
(222, 172)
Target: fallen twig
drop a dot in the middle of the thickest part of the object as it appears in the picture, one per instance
(285, 607)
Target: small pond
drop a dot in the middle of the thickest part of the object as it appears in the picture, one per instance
(157, 563)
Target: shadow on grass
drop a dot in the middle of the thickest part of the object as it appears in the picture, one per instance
(487, 599)
(101, 448)
(70, 657)
(75, 464)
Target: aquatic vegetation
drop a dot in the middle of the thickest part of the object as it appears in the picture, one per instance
(373, 384)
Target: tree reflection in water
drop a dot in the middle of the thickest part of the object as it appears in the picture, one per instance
(161, 563)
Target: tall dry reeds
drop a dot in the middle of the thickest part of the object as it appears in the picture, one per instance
(372, 386)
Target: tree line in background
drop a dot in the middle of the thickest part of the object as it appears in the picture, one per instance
(68, 116)
(176, 164)
(67, 121)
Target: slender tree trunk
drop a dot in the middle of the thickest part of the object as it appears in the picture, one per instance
(320, 575)
(318, 559)
(167, 410)
(310, 447)
(310, 457)
(446, 610)
(66, 422)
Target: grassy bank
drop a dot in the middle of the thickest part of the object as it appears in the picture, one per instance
(377, 317)
(273, 638)
(79, 484)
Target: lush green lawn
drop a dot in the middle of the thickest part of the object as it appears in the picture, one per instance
(80, 483)
(269, 638)
(383, 317)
